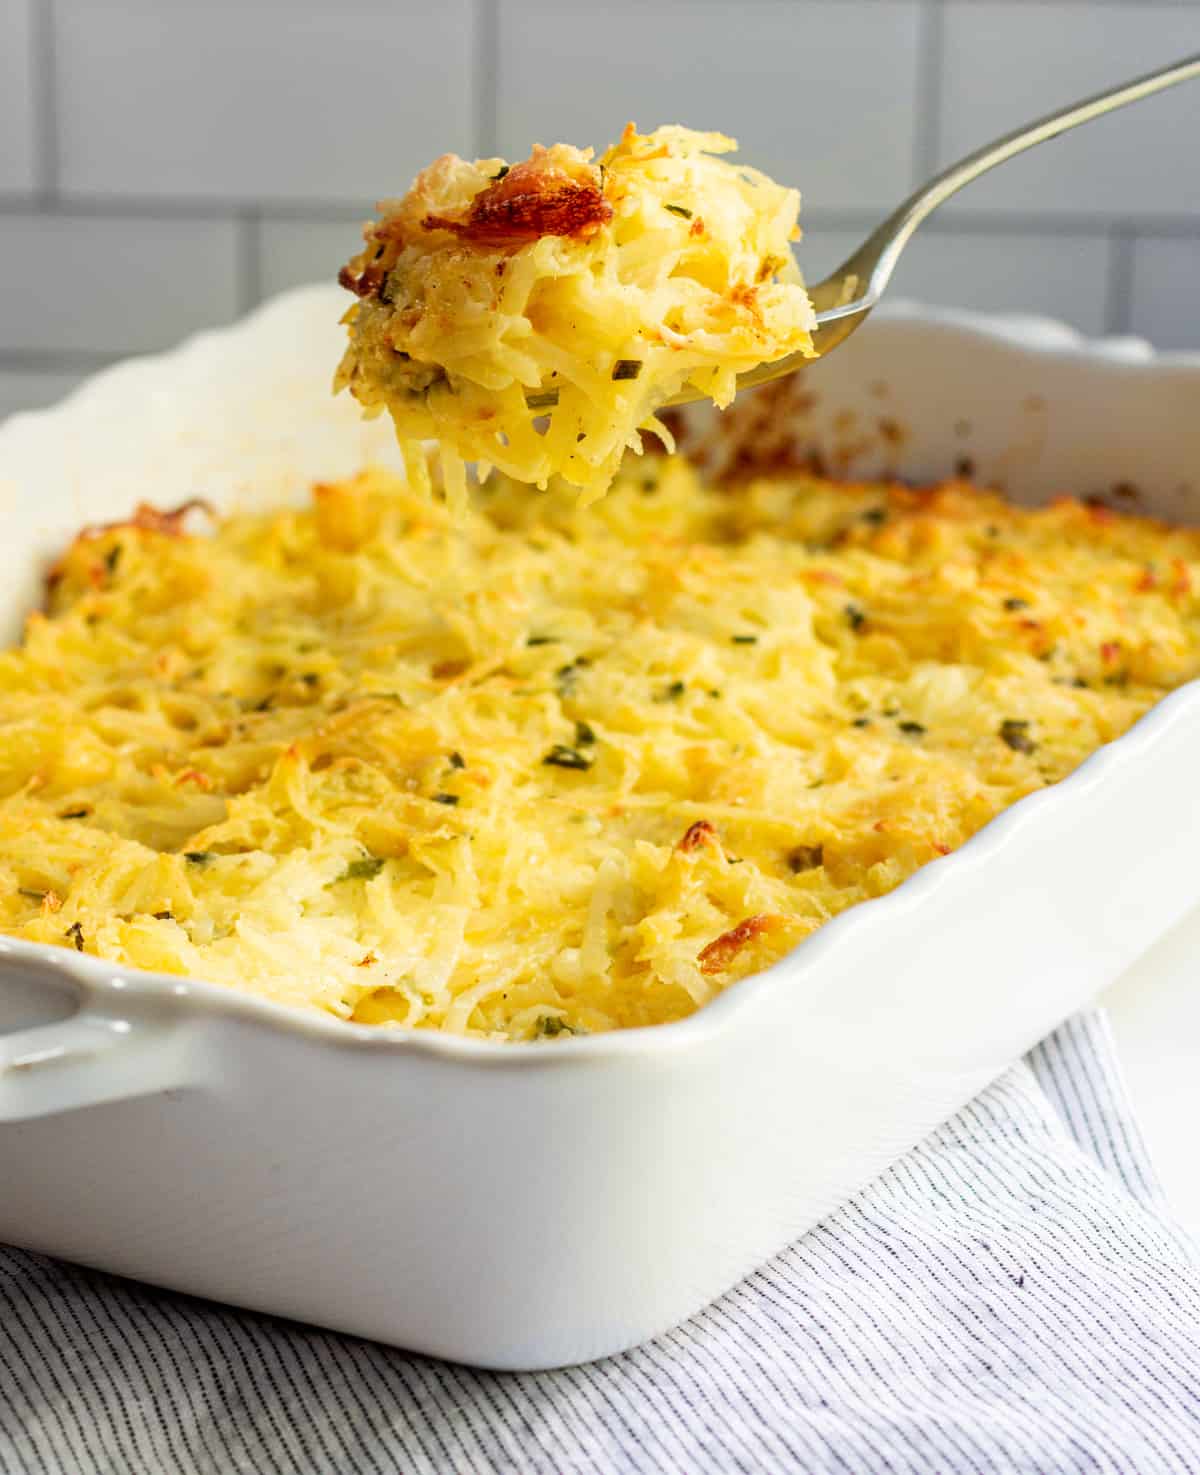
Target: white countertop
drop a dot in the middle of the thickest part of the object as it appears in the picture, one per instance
(1155, 1012)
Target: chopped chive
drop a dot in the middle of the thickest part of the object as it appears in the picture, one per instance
(81, 813)
(500, 173)
(856, 616)
(550, 1025)
(31, 895)
(627, 368)
(561, 756)
(744, 639)
(365, 869)
(446, 799)
(1014, 731)
(541, 640)
(679, 210)
(112, 558)
(544, 400)
(163, 916)
(861, 722)
(875, 515)
(585, 735)
(1015, 604)
(75, 933)
(672, 692)
(805, 858)
(198, 857)
(914, 729)
(566, 676)
(457, 760)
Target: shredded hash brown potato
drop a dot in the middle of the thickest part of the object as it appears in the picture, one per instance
(576, 295)
(548, 770)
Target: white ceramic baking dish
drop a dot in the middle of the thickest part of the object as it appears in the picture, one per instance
(526, 1206)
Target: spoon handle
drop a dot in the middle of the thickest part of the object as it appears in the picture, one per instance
(843, 300)
(887, 242)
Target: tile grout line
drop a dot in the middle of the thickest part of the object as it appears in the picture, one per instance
(486, 63)
(957, 223)
(58, 360)
(1119, 304)
(927, 135)
(45, 75)
(175, 207)
(247, 223)
(1107, 4)
(955, 220)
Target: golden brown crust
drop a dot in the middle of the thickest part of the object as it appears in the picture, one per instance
(721, 951)
(150, 519)
(701, 833)
(533, 199)
(362, 285)
(146, 519)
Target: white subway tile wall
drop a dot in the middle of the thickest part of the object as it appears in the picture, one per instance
(18, 164)
(33, 390)
(1164, 290)
(173, 161)
(1062, 274)
(292, 252)
(1005, 63)
(258, 100)
(823, 93)
(79, 285)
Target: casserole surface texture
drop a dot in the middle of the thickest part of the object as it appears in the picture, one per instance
(536, 771)
(527, 1205)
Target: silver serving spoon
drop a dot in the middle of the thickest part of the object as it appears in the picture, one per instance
(845, 298)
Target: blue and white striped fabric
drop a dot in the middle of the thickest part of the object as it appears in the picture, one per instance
(1012, 1297)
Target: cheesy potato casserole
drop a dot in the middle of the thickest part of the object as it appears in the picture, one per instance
(537, 769)
(534, 317)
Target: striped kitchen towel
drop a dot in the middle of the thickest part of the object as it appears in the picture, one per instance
(1011, 1297)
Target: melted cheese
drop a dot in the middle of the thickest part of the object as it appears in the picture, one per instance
(545, 769)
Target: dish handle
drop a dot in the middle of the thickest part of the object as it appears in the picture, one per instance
(94, 1055)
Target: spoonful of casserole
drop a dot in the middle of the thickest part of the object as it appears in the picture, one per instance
(535, 317)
